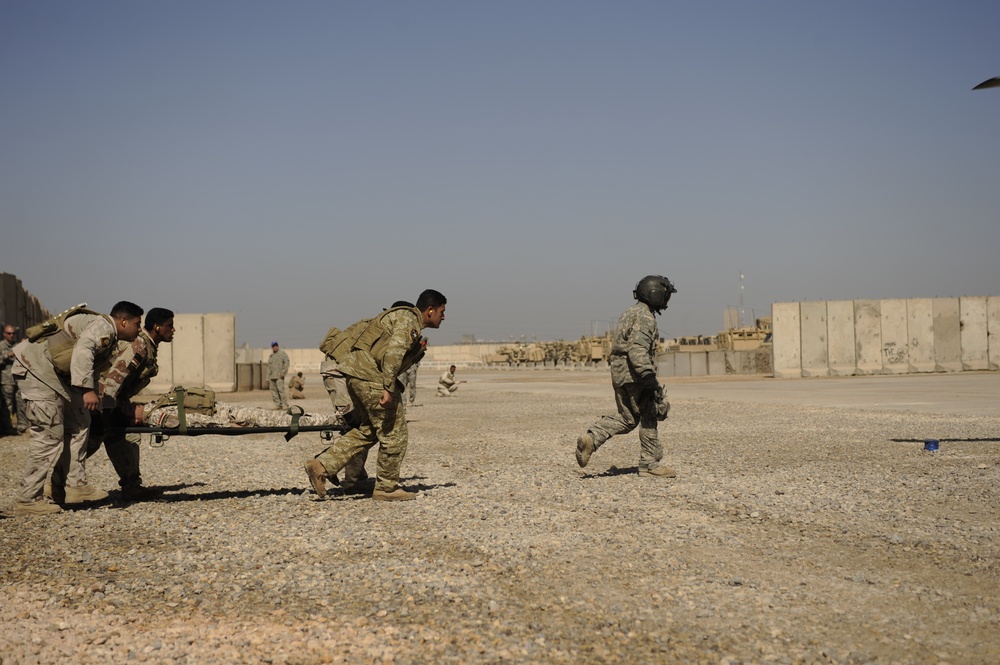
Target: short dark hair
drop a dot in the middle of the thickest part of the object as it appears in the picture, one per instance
(431, 298)
(157, 316)
(126, 308)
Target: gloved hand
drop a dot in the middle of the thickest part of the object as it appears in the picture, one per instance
(649, 382)
(662, 406)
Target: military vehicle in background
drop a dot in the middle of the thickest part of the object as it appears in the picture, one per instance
(746, 339)
(586, 350)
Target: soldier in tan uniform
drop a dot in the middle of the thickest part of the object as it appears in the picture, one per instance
(277, 368)
(389, 345)
(132, 368)
(638, 392)
(57, 375)
(447, 383)
(296, 386)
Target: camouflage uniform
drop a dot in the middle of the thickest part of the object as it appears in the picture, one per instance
(7, 384)
(447, 384)
(409, 381)
(9, 387)
(234, 415)
(132, 368)
(637, 393)
(54, 405)
(295, 387)
(369, 372)
(277, 368)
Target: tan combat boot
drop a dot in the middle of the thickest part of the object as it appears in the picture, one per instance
(317, 477)
(398, 494)
(658, 472)
(84, 494)
(584, 448)
(40, 506)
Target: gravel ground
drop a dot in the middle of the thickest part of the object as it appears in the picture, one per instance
(791, 535)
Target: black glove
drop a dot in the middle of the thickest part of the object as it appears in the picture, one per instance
(649, 382)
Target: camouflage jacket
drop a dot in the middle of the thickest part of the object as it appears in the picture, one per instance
(277, 365)
(92, 338)
(394, 352)
(633, 349)
(132, 368)
(6, 363)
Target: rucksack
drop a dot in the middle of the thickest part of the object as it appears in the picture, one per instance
(196, 400)
(364, 334)
(54, 324)
(338, 343)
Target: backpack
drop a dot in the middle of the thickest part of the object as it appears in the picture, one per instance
(196, 400)
(366, 334)
(54, 324)
(338, 343)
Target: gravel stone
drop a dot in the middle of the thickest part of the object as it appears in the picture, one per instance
(792, 534)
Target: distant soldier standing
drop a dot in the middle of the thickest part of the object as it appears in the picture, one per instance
(7, 384)
(638, 393)
(409, 381)
(277, 368)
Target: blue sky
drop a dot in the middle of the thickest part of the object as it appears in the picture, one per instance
(304, 164)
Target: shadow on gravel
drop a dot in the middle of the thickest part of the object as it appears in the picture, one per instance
(228, 494)
(990, 440)
(115, 498)
(613, 471)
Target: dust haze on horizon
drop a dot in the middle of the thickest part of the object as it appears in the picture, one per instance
(305, 164)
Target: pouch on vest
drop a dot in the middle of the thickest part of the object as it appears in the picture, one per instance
(338, 343)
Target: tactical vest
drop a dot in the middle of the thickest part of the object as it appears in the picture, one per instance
(61, 343)
(372, 336)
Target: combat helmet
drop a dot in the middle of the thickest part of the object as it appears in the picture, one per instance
(655, 291)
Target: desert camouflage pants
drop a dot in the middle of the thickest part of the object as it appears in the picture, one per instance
(636, 407)
(58, 430)
(382, 425)
(108, 428)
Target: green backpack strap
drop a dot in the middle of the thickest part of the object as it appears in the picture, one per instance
(181, 418)
(296, 412)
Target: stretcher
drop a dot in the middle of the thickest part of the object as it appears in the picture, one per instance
(159, 435)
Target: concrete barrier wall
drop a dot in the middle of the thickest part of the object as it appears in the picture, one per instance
(202, 354)
(993, 331)
(892, 336)
(787, 347)
(868, 337)
(19, 308)
(920, 334)
(895, 344)
(947, 335)
(972, 330)
(842, 350)
(815, 355)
